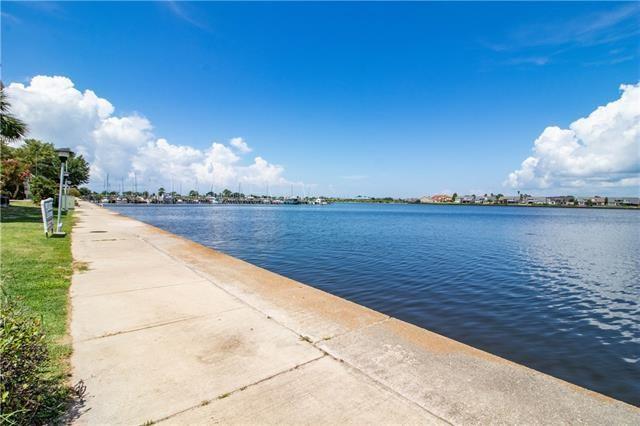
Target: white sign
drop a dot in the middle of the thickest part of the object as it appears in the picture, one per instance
(46, 206)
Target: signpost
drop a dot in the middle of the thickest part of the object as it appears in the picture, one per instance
(46, 206)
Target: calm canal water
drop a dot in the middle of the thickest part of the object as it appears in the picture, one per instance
(554, 289)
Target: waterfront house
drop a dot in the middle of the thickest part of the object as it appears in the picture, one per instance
(625, 202)
(552, 201)
(441, 198)
(536, 200)
(426, 200)
(561, 200)
(468, 199)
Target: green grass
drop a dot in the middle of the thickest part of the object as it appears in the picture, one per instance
(36, 271)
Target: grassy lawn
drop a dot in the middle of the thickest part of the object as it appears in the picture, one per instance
(37, 271)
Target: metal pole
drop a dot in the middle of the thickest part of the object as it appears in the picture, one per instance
(66, 186)
(60, 197)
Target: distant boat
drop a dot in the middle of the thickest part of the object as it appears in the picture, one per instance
(295, 200)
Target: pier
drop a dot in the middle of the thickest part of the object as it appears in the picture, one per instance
(165, 330)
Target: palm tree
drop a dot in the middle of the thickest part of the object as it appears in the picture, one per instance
(11, 127)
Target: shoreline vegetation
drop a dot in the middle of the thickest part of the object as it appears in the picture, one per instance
(36, 275)
(568, 206)
(161, 196)
(627, 203)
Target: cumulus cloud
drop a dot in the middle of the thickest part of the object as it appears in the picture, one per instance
(240, 145)
(125, 146)
(601, 150)
(55, 110)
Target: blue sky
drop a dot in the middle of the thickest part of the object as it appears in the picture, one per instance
(350, 98)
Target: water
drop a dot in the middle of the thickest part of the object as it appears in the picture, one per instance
(554, 289)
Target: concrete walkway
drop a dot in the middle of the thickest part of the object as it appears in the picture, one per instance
(166, 330)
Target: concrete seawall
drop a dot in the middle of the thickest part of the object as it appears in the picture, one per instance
(167, 330)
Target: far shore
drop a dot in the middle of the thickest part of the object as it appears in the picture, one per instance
(399, 202)
(494, 205)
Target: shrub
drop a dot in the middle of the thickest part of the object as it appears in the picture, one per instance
(74, 192)
(42, 188)
(30, 393)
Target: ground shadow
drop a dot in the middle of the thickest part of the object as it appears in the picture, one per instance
(76, 405)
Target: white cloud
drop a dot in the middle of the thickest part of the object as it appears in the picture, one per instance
(115, 142)
(602, 27)
(56, 111)
(262, 172)
(240, 145)
(601, 150)
(125, 146)
(182, 13)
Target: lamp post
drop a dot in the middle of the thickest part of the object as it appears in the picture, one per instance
(63, 155)
(66, 186)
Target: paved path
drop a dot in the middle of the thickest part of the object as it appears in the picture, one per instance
(166, 330)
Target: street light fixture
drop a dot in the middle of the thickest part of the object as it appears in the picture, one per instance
(63, 154)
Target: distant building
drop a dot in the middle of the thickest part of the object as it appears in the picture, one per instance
(561, 200)
(536, 200)
(441, 198)
(625, 202)
(581, 201)
(597, 201)
(526, 199)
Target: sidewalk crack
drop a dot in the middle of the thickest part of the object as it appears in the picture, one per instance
(110, 293)
(159, 324)
(242, 388)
